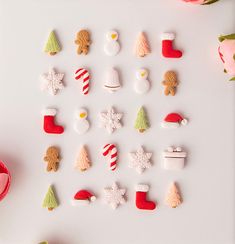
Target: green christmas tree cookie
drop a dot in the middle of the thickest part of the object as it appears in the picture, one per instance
(43, 242)
(52, 46)
(50, 201)
(141, 122)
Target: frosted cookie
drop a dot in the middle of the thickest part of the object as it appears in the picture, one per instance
(112, 46)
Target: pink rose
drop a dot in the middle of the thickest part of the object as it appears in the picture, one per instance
(227, 53)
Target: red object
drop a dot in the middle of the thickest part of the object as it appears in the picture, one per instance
(3, 169)
(168, 50)
(49, 125)
(84, 75)
(112, 149)
(84, 195)
(173, 117)
(141, 198)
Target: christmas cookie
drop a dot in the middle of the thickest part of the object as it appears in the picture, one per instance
(49, 124)
(110, 120)
(52, 82)
(170, 82)
(168, 50)
(110, 151)
(142, 47)
(81, 125)
(5, 180)
(52, 158)
(227, 54)
(50, 202)
(174, 158)
(83, 197)
(173, 197)
(142, 85)
(173, 121)
(141, 200)
(83, 41)
(83, 75)
(52, 46)
(83, 162)
(112, 81)
(141, 122)
(112, 46)
(140, 160)
(114, 196)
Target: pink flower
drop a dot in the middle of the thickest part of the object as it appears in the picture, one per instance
(227, 53)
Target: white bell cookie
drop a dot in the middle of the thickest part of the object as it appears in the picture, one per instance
(112, 82)
(142, 85)
(81, 124)
(112, 46)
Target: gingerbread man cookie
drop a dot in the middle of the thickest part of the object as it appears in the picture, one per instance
(170, 82)
(52, 158)
(83, 42)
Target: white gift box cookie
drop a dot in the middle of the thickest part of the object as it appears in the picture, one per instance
(174, 158)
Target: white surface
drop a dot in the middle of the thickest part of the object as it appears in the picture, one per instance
(203, 96)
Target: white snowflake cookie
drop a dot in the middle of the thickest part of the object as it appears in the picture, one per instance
(52, 82)
(112, 46)
(140, 160)
(81, 125)
(114, 196)
(110, 120)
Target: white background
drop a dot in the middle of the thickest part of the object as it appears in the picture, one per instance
(204, 96)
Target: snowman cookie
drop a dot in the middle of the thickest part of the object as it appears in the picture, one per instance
(81, 124)
(112, 46)
(142, 85)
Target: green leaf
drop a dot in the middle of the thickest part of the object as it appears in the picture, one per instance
(227, 37)
(210, 2)
(232, 79)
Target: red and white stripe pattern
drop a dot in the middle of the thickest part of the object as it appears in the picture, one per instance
(84, 75)
(111, 149)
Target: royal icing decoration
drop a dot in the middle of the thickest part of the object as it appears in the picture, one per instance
(174, 158)
(83, 41)
(52, 158)
(83, 162)
(173, 121)
(201, 2)
(110, 151)
(81, 125)
(173, 197)
(83, 197)
(140, 160)
(110, 120)
(227, 54)
(112, 82)
(170, 82)
(83, 74)
(114, 196)
(112, 46)
(49, 124)
(142, 47)
(52, 82)
(50, 202)
(142, 85)
(141, 122)
(141, 198)
(52, 46)
(5, 180)
(168, 50)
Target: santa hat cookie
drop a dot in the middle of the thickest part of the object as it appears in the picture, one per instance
(5, 180)
(168, 50)
(83, 197)
(174, 120)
